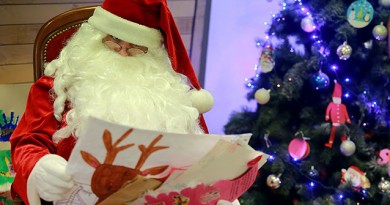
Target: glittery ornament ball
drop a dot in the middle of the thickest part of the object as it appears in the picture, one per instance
(273, 181)
(347, 148)
(384, 186)
(344, 51)
(379, 32)
(319, 81)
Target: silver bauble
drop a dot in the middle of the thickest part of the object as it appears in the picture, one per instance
(385, 3)
(307, 24)
(273, 181)
(379, 32)
(384, 186)
(313, 172)
(347, 148)
(344, 51)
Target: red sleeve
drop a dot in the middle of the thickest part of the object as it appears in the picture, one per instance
(32, 137)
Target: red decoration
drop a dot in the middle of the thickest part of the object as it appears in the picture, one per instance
(299, 148)
(337, 113)
(356, 176)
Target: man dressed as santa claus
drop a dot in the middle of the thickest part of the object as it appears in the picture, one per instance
(128, 65)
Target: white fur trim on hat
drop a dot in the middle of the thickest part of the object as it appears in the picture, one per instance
(124, 29)
(201, 100)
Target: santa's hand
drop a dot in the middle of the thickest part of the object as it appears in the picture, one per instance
(49, 180)
(223, 202)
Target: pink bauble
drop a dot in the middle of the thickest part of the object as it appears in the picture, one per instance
(298, 148)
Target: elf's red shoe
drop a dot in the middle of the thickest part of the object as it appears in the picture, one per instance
(329, 145)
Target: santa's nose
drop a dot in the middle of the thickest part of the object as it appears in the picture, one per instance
(123, 52)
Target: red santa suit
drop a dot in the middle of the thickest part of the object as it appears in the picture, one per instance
(32, 139)
(337, 113)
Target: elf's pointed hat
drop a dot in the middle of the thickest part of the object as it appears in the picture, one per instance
(337, 92)
(147, 23)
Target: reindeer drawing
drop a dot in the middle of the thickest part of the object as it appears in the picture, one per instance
(109, 178)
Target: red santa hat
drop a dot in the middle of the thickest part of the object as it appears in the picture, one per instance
(150, 23)
(337, 92)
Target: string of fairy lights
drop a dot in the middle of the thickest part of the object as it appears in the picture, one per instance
(344, 52)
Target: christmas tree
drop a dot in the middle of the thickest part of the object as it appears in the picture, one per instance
(322, 85)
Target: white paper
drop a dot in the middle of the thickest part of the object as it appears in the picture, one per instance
(184, 151)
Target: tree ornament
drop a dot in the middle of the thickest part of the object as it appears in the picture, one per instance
(360, 13)
(347, 148)
(356, 177)
(379, 32)
(344, 51)
(262, 96)
(368, 44)
(298, 148)
(337, 113)
(313, 172)
(307, 24)
(384, 186)
(319, 81)
(384, 3)
(384, 157)
(365, 182)
(267, 61)
(273, 181)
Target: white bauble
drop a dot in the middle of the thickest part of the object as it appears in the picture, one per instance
(347, 148)
(262, 96)
(307, 24)
(385, 3)
(379, 32)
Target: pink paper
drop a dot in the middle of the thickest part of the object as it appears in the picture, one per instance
(209, 195)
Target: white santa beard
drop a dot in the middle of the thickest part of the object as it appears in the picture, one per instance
(142, 92)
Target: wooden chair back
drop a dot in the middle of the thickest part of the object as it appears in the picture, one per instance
(54, 34)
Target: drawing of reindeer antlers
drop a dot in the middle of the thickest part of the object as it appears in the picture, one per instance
(146, 152)
(112, 149)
